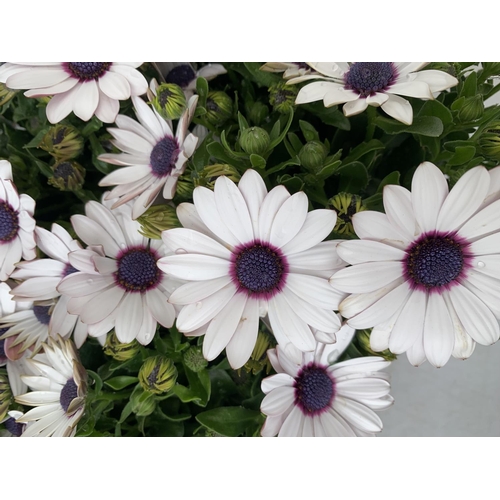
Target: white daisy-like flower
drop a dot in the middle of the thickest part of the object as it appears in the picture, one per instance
(17, 225)
(317, 399)
(119, 284)
(86, 88)
(364, 84)
(58, 392)
(155, 157)
(248, 253)
(12, 428)
(40, 278)
(425, 274)
(289, 69)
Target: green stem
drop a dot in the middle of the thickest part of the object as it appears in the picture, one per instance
(370, 129)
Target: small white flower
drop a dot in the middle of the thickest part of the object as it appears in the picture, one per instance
(86, 88)
(315, 399)
(289, 69)
(425, 274)
(364, 84)
(155, 157)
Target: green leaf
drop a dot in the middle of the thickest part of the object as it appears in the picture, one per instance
(97, 149)
(264, 78)
(328, 170)
(35, 142)
(353, 177)
(126, 412)
(217, 151)
(199, 388)
(92, 126)
(295, 144)
(242, 122)
(202, 88)
(462, 155)
(293, 184)
(230, 420)
(257, 161)
(430, 126)
(392, 178)
(310, 133)
(438, 109)
(201, 157)
(363, 149)
(119, 383)
(97, 379)
(469, 88)
(277, 140)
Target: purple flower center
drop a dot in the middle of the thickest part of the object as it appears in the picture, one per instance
(9, 222)
(68, 393)
(435, 260)
(137, 270)
(42, 314)
(314, 389)
(259, 268)
(367, 78)
(13, 427)
(3, 357)
(181, 75)
(86, 71)
(164, 156)
(69, 269)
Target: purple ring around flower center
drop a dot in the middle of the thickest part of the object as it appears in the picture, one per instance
(259, 269)
(137, 269)
(368, 78)
(436, 261)
(87, 71)
(314, 389)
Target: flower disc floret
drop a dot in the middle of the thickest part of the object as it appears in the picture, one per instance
(314, 389)
(181, 75)
(164, 156)
(137, 270)
(68, 393)
(86, 71)
(367, 78)
(9, 222)
(42, 314)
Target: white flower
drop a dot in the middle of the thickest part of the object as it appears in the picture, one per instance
(376, 84)
(40, 278)
(86, 88)
(314, 399)
(59, 390)
(156, 157)
(425, 274)
(12, 428)
(119, 284)
(16, 223)
(248, 253)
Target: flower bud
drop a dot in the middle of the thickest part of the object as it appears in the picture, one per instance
(157, 374)
(489, 141)
(219, 108)
(170, 101)
(472, 109)
(346, 205)
(194, 359)
(121, 352)
(5, 396)
(63, 142)
(254, 140)
(312, 155)
(282, 97)
(68, 176)
(185, 188)
(143, 402)
(6, 94)
(491, 68)
(258, 359)
(258, 113)
(156, 219)
(362, 341)
(209, 174)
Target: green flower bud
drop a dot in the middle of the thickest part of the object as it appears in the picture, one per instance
(209, 174)
(170, 101)
(194, 360)
(489, 141)
(156, 219)
(282, 97)
(143, 402)
(6, 94)
(63, 142)
(346, 205)
(491, 68)
(68, 176)
(157, 374)
(472, 109)
(121, 352)
(312, 155)
(219, 108)
(254, 140)
(362, 341)
(258, 112)
(5, 396)
(185, 188)
(258, 359)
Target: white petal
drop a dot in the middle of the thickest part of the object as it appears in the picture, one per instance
(194, 267)
(86, 100)
(483, 223)
(61, 105)
(399, 210)
(315, 291)
(275, 381)
(101, 306)
(114, 85)
(376, 226)
(316, 91)
(129, 317)
(253, 189)
(399, 108)
(107, 109)
(359, 251)
(181, 240)
(293, 424)
(358, 414)
(278, 401)
(162, 311)
(355, 107)
(270, 206)
(289, 219)
(413, 88)
(437, 80)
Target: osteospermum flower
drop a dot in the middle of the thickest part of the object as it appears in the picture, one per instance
(289, 69)
(316, 399)
(156, 157)
(248, 253)
(364, 84)
(16, 223)
(119, 284)
(425, 273)
(58, 391)
(86, 88)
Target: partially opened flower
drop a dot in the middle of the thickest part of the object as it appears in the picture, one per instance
(425, 273)
(248, 253)
(119, 284)
(317, 399)
(289, 69)
(58, 392)
(364, 84)
(16, 223)
(153, 156)
(86, 88)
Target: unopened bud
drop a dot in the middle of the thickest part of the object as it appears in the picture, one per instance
(157, 374)
(254, 140)
(63, 142)
(219, 108)
(143, 402)
(170, 101)
(6, 94)
(282, 97)
(194, 359)
(258, 359)
(312, 155)
(5, 396)
(121, 352)
(489, 141)
(258, 113)
(472, 109)
(156, 219)
(346, 205)
(363, 344)
(68, 176)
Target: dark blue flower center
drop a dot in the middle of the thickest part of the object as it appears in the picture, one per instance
(42, 314)
(164, 156)
(86, 71)
(181, 75)
(69, 269)
(259, 268)
(9, 222)
(68, 393)
(13, 427)
(366, 78)
(314, 389)
(3, 357)
(137, 270)
(434, 260)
